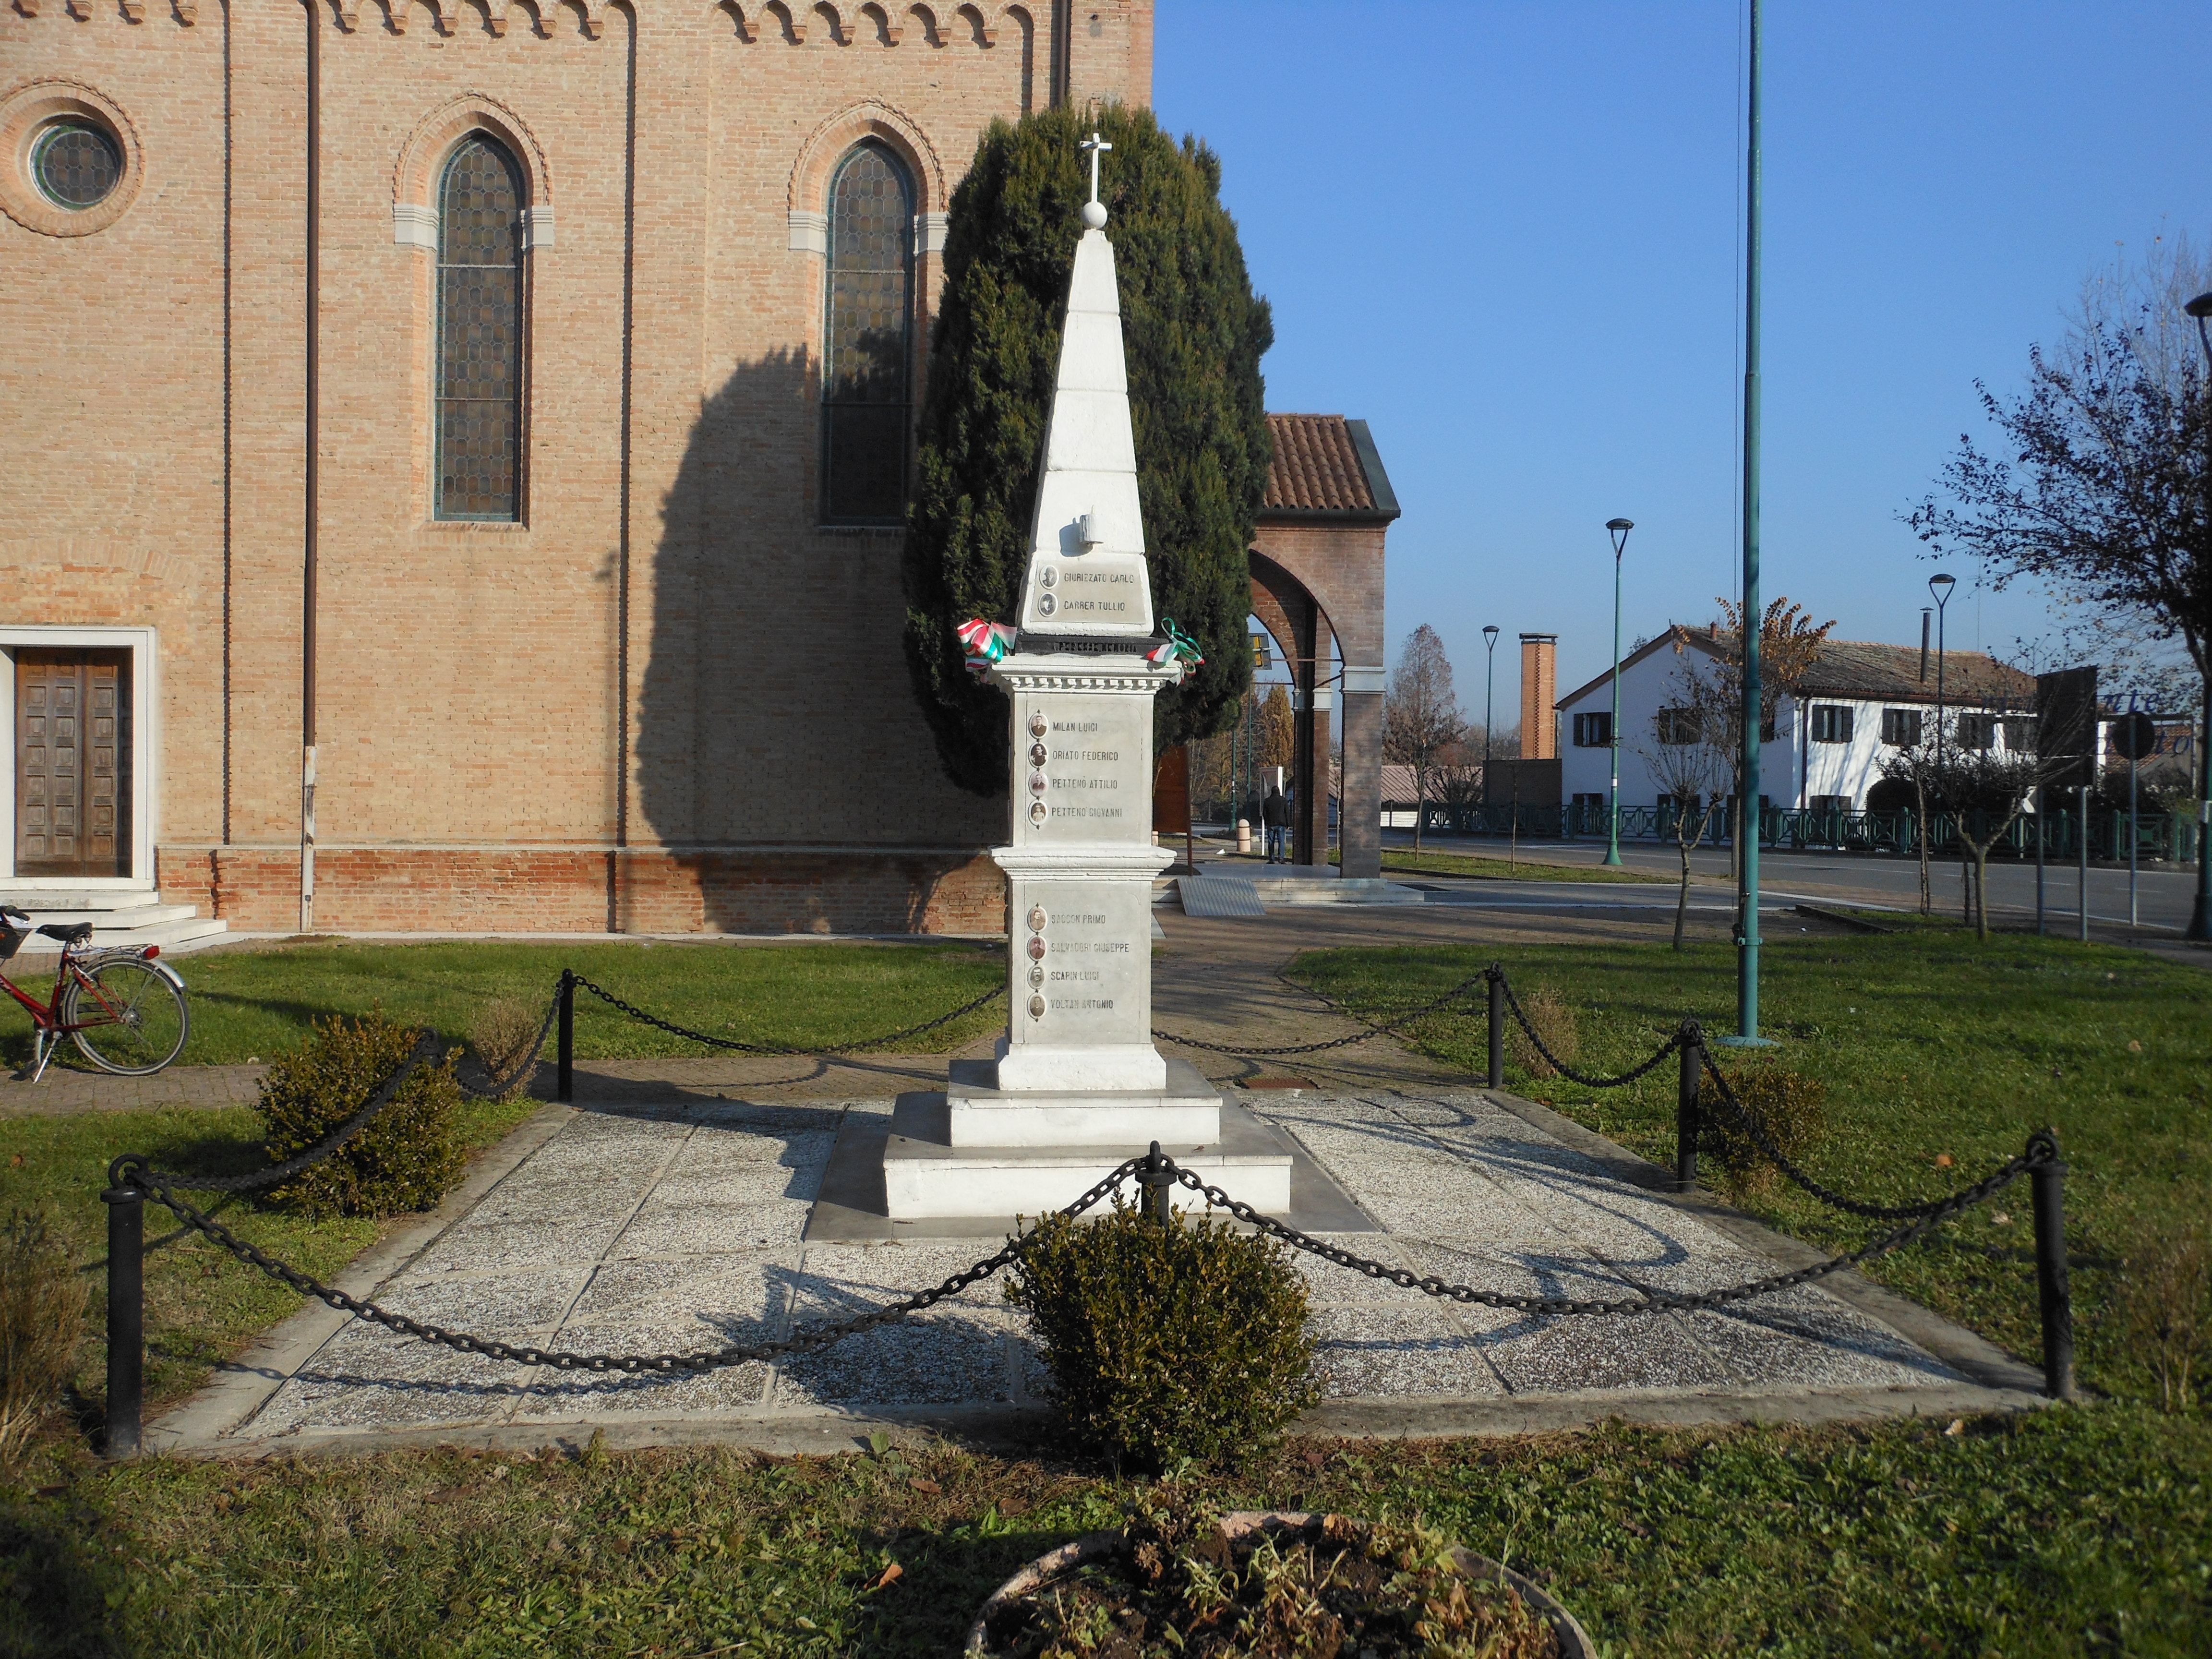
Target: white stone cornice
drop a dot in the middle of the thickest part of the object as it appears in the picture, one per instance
(1364, 679)
(1097, 860)
(1128, 674)
(809, 231)
(929, 232)
(537, 228)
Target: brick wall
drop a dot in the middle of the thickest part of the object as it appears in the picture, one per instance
(474, 763)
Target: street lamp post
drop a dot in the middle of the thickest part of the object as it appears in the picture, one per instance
(1618, 529)
(1488, 703)
(2200, 917)
(1939, 585)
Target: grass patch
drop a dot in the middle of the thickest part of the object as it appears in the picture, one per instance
(1930, 1045)
(203, 1305)
(250, 1005)
(2072, 1531)
(1477, 866)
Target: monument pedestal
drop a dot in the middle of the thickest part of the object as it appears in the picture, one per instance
(928, 1177)
(1076, 1086)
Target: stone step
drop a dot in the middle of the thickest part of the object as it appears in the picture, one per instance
(1300, 889)
(142, 915)
(75, 899)
(171, 926)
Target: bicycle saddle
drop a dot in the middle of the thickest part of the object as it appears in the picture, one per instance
(75, 933)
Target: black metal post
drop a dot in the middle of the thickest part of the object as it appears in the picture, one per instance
(1686, 1126)
(1497, 1030)
(126, 1311)
(1155, 1180)
(565, 1049)
(2052, 1296)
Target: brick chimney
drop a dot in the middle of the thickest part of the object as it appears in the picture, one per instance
(1539, 689)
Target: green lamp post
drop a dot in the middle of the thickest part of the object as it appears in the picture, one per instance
(1618, 529)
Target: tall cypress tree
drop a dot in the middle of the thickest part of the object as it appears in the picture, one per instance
(1194, 333)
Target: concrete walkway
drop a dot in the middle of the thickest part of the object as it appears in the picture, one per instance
(645, 1229)
(668, 1211)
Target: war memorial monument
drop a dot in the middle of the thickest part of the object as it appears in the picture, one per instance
(1076, 1084)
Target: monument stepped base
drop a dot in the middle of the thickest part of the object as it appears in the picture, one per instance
(1186, 1110)
(927, 1177)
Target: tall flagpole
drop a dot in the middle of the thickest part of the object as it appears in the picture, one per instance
(1749, 815)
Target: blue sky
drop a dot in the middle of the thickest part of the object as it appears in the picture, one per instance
(1508, 236)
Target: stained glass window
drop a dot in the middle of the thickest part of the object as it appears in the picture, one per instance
(76, 164)
(479, 353)
(866, 340)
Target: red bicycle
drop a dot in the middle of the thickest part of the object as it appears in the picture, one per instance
(124, 1009)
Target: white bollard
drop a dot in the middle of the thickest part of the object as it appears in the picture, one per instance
(1243, 834)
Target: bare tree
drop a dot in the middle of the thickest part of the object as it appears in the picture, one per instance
(1420, 714)
(1990, 768)
(1789, 645)
(2102, 500)
(1691, 767)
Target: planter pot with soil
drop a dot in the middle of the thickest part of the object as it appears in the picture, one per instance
(1268, 1583)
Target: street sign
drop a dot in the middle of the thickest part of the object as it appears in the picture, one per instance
(2133, 737)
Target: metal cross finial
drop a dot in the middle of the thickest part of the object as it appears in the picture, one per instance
(1095, 144)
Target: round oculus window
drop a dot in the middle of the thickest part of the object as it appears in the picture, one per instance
(75, 164)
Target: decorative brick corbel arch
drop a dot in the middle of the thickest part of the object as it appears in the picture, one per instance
(826, 145)
(415, 177)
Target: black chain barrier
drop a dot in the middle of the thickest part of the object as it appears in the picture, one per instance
(864, 1045)
(524, 1059)
(1748, 1121)
(806, 1340)
(1651, 1301)
(426, 1046)
(1536, 1040)
(1394, 1028)
(132, 1180)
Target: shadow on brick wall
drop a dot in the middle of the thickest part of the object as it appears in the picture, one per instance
(774, 701)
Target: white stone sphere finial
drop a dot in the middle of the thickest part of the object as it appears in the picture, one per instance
(1094, 210)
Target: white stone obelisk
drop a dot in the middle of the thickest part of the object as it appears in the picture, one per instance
(1076, 1084)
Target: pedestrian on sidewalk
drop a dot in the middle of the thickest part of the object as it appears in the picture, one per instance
(1275, 815)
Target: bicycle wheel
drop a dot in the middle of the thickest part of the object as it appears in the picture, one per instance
(134, 1018)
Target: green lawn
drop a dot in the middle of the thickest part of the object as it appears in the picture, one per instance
(250, 1005)
(1930, 1045)
(2082, 1530)
(203, 1305)
(2074, 1532)
(1424, 863)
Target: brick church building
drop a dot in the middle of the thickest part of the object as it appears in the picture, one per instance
(560, 554)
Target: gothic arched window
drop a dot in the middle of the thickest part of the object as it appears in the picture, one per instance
(479, 347)
(868, 339)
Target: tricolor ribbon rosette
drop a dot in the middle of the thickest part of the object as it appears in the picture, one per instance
(986, 641)
(1177, 647)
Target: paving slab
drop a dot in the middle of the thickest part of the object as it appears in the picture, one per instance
(681, 1227)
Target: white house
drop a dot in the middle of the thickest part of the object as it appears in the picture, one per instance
(1860, 701)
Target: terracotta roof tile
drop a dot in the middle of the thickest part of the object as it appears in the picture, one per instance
(1315, 468)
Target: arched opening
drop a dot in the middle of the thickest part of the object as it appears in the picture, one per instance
(478, 469)
(867, 344)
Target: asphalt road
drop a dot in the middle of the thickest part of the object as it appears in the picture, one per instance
(2163, 895)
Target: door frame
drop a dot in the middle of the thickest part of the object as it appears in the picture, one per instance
(142, 644)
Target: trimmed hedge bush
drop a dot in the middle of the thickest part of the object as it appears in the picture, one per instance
(407, 1161)
(1164, 1343)
(1792, 1108)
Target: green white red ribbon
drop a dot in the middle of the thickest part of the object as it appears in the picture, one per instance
(1178, 645)
(986, 641)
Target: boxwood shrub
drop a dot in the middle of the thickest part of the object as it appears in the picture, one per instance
(1163, 1343)
(407, 1160)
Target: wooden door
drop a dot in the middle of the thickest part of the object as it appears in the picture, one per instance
(72, 763)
